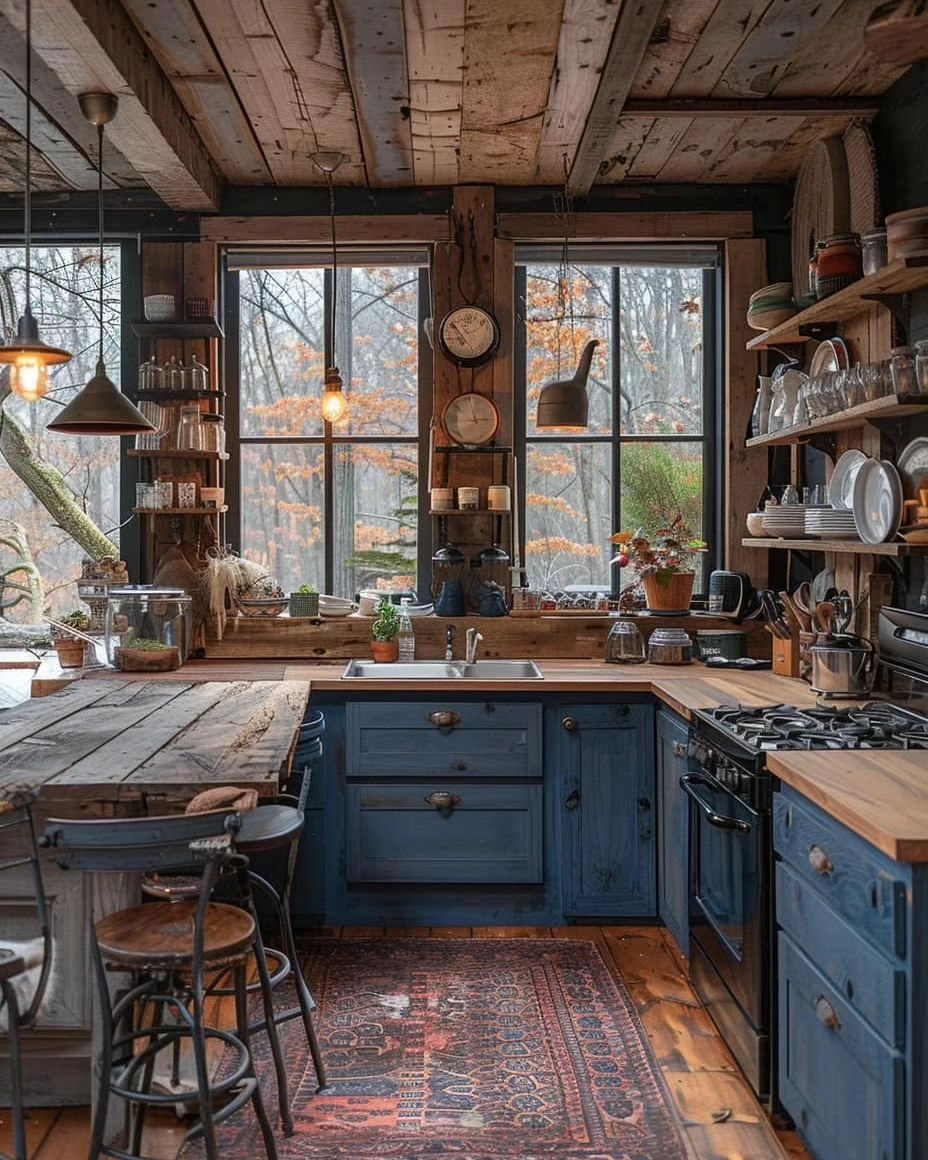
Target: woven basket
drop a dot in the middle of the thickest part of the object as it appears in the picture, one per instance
(304, 604)
(136, 660)
(821, 205)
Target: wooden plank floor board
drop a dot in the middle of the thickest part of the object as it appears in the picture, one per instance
(718, 1111)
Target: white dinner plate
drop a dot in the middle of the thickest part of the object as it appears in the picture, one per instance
(841, 487)
(877, 502)
(912, 464)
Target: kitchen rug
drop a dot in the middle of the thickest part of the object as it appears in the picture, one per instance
(473, 1048)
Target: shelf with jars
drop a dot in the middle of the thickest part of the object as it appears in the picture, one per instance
(891, 407)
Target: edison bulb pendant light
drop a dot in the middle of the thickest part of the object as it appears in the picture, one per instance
(334, 403)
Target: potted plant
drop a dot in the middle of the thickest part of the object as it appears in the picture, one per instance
(69, 648)
(664, 562)
(147, 656)
(305, 601)
(384, 633)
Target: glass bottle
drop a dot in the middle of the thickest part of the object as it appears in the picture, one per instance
(407, 639)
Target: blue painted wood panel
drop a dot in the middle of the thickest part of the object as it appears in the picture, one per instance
(843, 1085)
(673, 883)
(606, 779)
(858, 881)
(493, 834)
(870, 982)
(489, 739)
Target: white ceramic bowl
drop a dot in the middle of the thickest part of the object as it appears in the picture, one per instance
(755, 523)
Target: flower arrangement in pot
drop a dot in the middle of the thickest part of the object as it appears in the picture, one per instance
(69, 648)
(384, 633)
(305, 601)
(664, 562)
(143, 655)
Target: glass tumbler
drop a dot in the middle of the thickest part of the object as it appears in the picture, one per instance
(902, 366)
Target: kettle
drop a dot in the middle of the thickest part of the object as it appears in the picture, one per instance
(842, 667)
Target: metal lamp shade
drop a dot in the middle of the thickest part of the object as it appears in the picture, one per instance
(101, 409)
(563, 404)
(27, 341)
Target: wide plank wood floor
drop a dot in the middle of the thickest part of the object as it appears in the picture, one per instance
(717, 1108)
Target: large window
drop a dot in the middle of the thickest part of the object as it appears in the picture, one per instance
(333, 506)
(645, 454)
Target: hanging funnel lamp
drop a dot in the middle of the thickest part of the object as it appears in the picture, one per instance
(27, 356)
(334, 403)
(100, 408)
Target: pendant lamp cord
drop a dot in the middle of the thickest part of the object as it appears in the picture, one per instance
(27, 232)
(334, 264)
(100, 227)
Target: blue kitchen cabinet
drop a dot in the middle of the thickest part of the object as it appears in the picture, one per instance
(605, 782)
(673, 891)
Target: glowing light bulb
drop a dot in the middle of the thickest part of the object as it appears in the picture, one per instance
(29, 376)
(334, 403)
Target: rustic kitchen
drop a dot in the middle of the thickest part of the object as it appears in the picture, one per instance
(463, 589)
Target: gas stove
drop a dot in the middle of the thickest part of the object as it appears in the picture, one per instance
(879, 725)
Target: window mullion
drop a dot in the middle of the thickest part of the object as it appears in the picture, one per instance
(328, 453)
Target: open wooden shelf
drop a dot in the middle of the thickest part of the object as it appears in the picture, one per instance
(854, 547)
(210, 455)
(467, 512)
(166, 396)
(200, 328)
(899, 277)
(892, 406)
(179, 511)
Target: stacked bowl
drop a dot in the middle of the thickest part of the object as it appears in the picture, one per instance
(827, 523)
(771, 305)
(786, 521)
(907, 233)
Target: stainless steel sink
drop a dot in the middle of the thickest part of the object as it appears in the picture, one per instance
(443, 671)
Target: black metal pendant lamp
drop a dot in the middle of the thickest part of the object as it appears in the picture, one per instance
(100, 408)
(27, 356)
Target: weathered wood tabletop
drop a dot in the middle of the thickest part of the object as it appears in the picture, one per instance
(108, 741)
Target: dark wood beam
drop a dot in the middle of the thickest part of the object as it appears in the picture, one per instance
(733, 108)
(626, 51)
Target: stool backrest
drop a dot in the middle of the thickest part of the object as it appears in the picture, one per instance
(16, 823)
(161, 843)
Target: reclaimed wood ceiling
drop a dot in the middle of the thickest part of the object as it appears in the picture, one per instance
(440, 92)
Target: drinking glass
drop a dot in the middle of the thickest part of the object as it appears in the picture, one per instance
(871, 378)
(146, 496)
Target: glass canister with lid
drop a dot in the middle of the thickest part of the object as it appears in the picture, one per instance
(212, 432)
(143, 612)
(624, 644)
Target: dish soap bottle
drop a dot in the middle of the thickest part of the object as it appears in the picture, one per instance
(407, 639)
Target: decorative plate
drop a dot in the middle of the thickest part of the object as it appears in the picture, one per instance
(912, 465)
(877, 501)
(841, 487)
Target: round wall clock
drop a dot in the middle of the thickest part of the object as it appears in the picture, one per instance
(471, 420)
(468, 335)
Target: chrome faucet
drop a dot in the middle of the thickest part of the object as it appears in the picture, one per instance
(473, 642)
(449, 643)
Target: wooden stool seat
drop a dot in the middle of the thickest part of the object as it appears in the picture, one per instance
(160, 935)
(268, 828)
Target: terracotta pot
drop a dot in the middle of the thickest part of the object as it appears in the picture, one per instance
(385, 651)
(672, 596)
(70, 652)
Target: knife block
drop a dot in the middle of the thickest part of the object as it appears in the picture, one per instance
(785, 656)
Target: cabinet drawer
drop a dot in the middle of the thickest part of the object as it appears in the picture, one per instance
(438, 737)
(492, 834)
(858, 882)
(842, 1084)
(872, 985)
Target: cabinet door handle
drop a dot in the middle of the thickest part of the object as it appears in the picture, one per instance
(569, 724)
(443, 801)
(443, 718)
(826, 1014)
(819, 861)
(572, 801)
(679, 749)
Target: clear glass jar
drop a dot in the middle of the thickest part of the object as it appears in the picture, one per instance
(144, 612)
(213, 433)
(151, 376)
(196, 376)
(173, 375)
(624, 644)
(189, 430)
(921, 366)
(902, 364)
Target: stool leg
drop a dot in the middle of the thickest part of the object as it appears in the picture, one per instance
(139, 1110)
(199, 1055)
(241, 1015)
(303, 994)
(16, 1074)
(267, 996)
(105, 1062)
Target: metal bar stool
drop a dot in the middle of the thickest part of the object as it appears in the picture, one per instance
(266, 832)
(19, 957)
(166, 949)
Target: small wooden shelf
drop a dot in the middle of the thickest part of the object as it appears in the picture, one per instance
(467, 512)
(900, 277)
(484, 449)
(210, 455)
(853, 547)
(177, 511)
(889, 407)
(175, 396)
(200, 328)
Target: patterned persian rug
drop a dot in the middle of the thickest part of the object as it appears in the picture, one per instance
(480, 1049)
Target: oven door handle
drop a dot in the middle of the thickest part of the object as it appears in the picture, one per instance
(687, 781)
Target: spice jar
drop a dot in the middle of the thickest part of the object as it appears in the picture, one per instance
(874, 250)
(839, 263)
(921, 366)
(902, 365)
(468, 498)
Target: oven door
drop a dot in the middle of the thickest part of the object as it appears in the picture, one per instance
(730, 890)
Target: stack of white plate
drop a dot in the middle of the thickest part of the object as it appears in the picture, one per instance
(336, 606)
(831, 524)
(787, 520)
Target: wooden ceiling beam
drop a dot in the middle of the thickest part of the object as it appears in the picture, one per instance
(629, 43)
(93, 44)
(435, 64)
(728, 109)
(316, 230)
(632, 226)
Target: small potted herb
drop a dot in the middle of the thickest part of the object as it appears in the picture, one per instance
(143, 655)
(69, 648)
(384, 632)
(305, 601)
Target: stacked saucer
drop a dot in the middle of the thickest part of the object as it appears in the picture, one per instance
(827, 523)
(787, 520)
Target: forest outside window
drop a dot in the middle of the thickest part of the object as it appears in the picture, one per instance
(332, 506)
(646, 454)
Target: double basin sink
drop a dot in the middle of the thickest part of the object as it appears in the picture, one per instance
(443, 671)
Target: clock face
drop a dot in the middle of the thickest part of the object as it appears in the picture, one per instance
(468, 335)
(471, 420)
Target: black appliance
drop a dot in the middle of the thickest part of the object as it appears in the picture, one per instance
(731, 855)
(734, 590)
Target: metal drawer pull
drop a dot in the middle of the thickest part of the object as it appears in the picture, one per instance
(826, 1014)
(569, 724)
(443, 801)
(819, 860)
(720, 821)
(443, 718)
(679, 749)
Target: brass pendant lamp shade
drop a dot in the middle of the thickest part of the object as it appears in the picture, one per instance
(100, 408)
(27, 356)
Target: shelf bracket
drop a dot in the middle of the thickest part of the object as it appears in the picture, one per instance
(819, 330)
(896, 304)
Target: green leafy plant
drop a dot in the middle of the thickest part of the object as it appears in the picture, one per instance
(145, 644)
(306, 590)
(671, 549)
(76, 619)
(386, 626)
